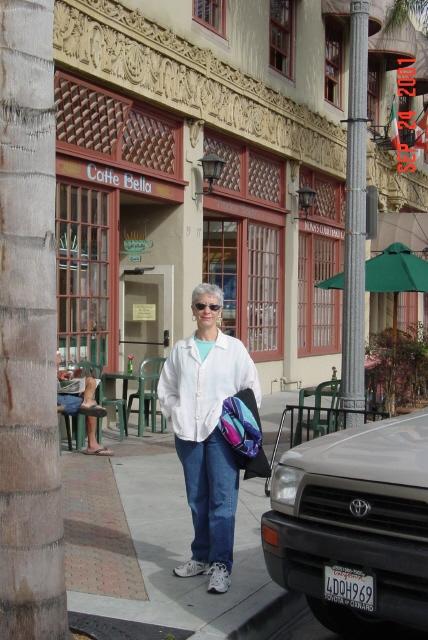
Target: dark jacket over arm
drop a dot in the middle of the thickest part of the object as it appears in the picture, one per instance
(257, 467)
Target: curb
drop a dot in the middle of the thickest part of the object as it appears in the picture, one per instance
(270, 621)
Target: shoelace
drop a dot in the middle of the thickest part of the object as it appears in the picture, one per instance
(217, 566)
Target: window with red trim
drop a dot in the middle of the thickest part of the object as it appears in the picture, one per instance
(333, 65)
(220, 266)
(329, 206)
(318, 309)
(243, 256)
(281, 36)
(210, 13)
(244, 259)
(263, 288)
(83, 230)
(320, 257)
(120, 129)
(248, 173)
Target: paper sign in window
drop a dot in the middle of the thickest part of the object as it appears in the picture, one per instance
(144, 312)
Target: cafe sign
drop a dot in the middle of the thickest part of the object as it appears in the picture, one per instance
(168, 189)
(121, 180)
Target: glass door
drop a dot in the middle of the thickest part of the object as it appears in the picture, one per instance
(146, 298)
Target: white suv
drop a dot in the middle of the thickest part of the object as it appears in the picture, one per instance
(349, 526)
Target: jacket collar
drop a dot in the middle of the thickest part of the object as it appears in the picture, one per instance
(220, 342)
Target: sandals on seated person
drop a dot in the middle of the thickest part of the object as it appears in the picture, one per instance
(94, 410)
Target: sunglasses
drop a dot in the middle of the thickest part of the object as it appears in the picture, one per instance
(200, 306)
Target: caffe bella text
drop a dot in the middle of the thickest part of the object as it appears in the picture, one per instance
(112, 178)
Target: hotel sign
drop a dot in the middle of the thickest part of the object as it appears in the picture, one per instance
(323, 229)
(119, 179)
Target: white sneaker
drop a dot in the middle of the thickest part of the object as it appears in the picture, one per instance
(220, 578)
(191, 568)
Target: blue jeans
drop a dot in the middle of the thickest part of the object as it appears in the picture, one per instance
(71, 403)
(212, 481)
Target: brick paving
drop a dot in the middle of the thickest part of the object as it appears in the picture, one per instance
(99, 553)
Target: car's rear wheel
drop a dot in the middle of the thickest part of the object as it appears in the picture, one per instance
(346, 622)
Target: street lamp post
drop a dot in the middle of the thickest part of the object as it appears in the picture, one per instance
(352, 387)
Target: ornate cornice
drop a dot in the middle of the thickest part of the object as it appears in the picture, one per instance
(411, 189)
(106, 40)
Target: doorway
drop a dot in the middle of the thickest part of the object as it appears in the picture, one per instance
(147, 303)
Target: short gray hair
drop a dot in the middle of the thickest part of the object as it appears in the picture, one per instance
(208, 289)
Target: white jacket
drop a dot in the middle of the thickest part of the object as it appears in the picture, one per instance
(191, 392)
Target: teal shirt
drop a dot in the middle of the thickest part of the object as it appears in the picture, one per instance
(204, 347)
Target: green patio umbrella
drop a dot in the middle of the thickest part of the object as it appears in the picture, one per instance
(394, 270)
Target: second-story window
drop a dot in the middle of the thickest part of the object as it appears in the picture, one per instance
(211, 14)
(281, 36)
(373, 93)
(333, 65)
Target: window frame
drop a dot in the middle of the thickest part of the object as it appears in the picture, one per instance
(242, 283)
(289, 31)
(94, 335)
(309, 349)
(222, 247)
(374, 66)
(269, 354)
(331, 31)
(331, 227)
(221, 30)
(245, 152)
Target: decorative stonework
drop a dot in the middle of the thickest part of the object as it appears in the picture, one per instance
(108, 41)
(104, 39)
(396, 190)
(195, 128)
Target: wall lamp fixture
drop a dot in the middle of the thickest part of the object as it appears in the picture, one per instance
(212, 166)
(306, 200)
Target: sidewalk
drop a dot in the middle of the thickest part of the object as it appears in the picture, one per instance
(127, 525)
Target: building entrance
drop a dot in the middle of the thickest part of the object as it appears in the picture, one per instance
(146, 298)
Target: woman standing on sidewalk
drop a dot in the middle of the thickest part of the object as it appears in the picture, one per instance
(199, 374)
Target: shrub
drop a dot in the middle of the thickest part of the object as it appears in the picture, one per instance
(400, 373)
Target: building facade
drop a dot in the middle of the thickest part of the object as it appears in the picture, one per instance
(143, 90)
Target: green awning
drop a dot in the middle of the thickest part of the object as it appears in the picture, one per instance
(396, 269)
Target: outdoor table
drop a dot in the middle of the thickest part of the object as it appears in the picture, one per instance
(112, 376)
(109, 378)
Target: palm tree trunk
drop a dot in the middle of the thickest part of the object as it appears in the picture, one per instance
(32, 589)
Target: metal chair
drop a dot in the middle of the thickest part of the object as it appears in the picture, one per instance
(150, 370)
(95, 370)
(119, 404)
(60, 412)
(79, 421)
(323, 417)
(322, 425)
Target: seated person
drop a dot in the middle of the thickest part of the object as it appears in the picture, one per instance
(75, 401)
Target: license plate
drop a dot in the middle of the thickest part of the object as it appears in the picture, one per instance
(349, 587)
